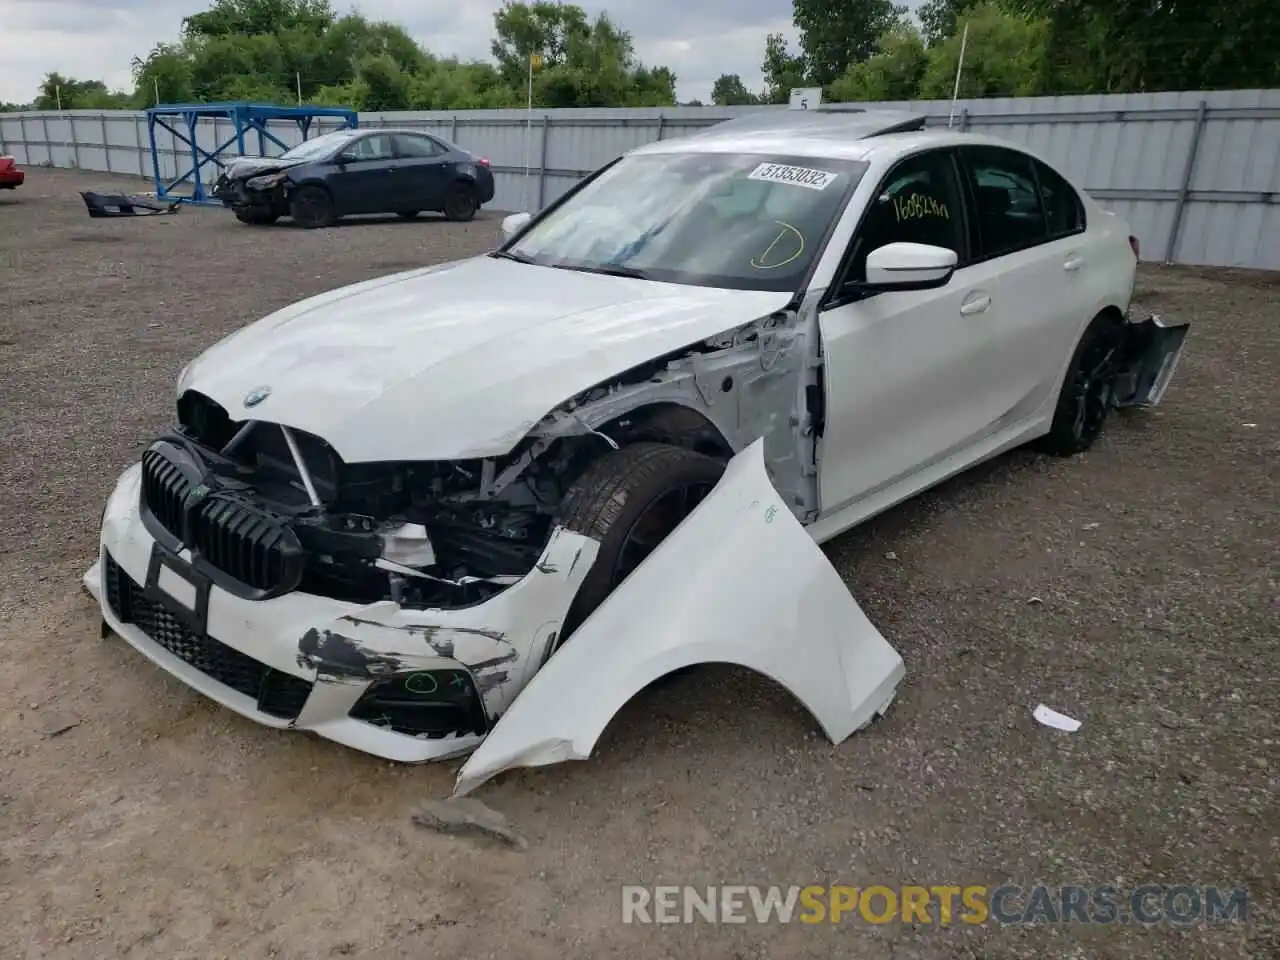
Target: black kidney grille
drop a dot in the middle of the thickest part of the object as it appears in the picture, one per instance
(255, 549)
(164, 490)
(277, 694)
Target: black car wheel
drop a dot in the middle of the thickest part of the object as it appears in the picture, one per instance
(406, 214)
(311, 207)
(1087, 393)
(461, 203)
(630, 500)
(257, 218)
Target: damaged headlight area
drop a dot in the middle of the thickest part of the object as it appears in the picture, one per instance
(267, 181)
(267, 510)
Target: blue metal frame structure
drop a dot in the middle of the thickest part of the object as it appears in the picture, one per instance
(245, 118)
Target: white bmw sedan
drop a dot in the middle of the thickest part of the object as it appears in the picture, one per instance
(480, 505)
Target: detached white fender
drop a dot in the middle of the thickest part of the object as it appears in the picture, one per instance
(740, 581)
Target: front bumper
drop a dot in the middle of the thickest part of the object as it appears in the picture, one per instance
(12, 178)
(237, 196)
(317, 657)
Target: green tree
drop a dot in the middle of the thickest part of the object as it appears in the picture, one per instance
(1206, 45)
(541, 27)
(280, 50)
(835, 34)
(255, 89)
(166, 70)
(223, 65)
(449, 84)
(893, 73)
(938, 18)
(598, 68)
(231, 18)
(386, 85)
(1006, 55)
(71, 94)
(730, 91)
(781, 70)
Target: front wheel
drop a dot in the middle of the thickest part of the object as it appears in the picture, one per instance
(311, 207)
(629, 500)
(461, 203)
(1088, 392)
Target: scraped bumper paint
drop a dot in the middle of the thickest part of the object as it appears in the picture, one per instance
(339, 648)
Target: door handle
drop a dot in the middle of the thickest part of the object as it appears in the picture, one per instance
(1073, 262)
(977, 303)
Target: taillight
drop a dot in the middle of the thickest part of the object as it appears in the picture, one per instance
(1133, 245)
(484, 162)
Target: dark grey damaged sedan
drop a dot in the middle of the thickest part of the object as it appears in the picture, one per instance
(356, 172)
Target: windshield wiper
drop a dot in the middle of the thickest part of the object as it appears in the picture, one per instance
(608, 269)
(612, 270)
(508, 255)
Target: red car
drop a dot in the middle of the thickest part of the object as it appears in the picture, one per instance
(11, 174)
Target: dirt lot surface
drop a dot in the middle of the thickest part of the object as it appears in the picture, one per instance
(1133, 588)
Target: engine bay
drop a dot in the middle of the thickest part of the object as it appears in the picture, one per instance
(437, 534)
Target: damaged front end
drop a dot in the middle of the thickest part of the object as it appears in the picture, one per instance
(393, 607)
(262, 193)
(400, 607)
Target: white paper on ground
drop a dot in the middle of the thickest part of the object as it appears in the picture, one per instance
(1059, 721)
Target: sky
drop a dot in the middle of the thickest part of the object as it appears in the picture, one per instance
(97, 39)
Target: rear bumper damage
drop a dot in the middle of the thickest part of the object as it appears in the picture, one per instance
(740, 581)
(1150, 355)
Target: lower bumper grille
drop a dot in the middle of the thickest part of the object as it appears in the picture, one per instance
(278, 694)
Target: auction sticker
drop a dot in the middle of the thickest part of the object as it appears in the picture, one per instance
(796, 176)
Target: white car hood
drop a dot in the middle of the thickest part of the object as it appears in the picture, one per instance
(455, 361)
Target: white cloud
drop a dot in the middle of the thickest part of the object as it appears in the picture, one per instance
(97, 39)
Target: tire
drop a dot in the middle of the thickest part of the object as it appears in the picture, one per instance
(461, 205)
(311, 207)
(256, 218)
(616, 492)
(1088, 388)
(406, 214)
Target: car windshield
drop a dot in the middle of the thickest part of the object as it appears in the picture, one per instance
(318, 146)
(748, 222)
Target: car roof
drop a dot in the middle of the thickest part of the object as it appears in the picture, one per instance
(842, 134)
(408, 130)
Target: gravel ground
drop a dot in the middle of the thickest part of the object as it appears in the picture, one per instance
(162, 825)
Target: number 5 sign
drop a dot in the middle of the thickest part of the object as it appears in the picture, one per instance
(805, 98)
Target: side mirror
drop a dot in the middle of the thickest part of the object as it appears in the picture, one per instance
(514, 224)
(344, 158)
(909, 266)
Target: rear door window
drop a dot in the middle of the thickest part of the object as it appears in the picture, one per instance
(410, 146)
(1009, 209)
(1062, 205)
